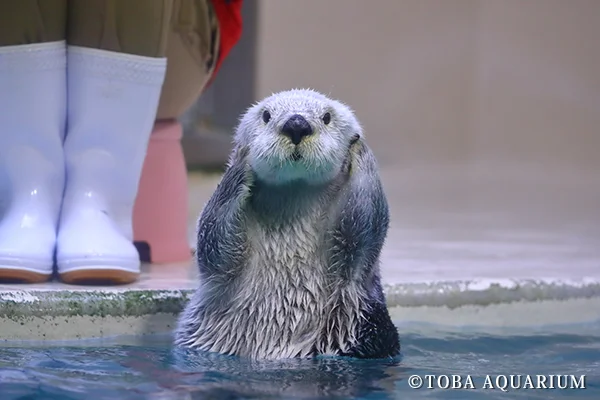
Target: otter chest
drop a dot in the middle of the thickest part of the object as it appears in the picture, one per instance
(286, 260)
(282, 291)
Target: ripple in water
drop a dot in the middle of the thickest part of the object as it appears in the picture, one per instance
(157, 371)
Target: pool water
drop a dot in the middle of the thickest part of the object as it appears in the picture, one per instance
(151, 369)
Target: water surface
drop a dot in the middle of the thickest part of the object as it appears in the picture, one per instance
(152, 369)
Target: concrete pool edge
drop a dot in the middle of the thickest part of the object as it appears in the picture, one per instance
(484, 292)
(80, 313)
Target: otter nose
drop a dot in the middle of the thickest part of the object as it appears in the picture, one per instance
(296, 128)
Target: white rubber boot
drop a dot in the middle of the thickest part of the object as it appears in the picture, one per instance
(32, 172)
(112, 104)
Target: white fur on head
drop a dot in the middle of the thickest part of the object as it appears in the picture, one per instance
(270, 153)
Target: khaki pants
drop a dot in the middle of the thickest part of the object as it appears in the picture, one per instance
(184, 31)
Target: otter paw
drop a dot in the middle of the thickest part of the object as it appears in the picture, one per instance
(248, 182)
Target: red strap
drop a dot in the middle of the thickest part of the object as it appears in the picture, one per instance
(229, 15)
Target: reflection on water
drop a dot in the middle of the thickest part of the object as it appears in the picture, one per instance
(153, 370)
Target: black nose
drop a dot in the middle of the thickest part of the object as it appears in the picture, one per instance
(296, 128)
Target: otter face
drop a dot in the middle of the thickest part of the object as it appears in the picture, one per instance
(297, 135)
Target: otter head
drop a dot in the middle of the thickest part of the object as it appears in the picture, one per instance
(296, 135)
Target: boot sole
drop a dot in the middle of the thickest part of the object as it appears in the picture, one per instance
(13, 275)
(99, 277)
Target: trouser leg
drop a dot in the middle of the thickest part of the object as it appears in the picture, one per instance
(30, 21)
(192, 46)
(138, 27)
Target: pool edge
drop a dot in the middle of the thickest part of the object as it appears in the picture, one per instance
(80, 313)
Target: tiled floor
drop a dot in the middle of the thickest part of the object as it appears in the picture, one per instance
(457, 224)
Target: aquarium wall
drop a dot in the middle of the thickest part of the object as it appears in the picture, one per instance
(436, 83)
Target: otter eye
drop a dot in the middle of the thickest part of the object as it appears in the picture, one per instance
(326, 118)
(266, 116)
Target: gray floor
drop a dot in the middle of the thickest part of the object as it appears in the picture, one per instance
(483, 226)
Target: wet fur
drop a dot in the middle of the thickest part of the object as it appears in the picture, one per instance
(288, 255)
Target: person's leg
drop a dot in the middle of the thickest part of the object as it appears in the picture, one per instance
(135, 27)
(207, 146)
(32, 126)
(160, 218)
(192, 46)
(116, 68)
(26, 22)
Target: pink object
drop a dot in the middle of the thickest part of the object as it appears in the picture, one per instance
(160, 214)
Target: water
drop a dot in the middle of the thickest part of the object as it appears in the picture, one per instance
(153, 370)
